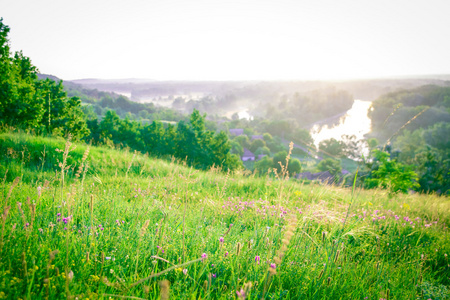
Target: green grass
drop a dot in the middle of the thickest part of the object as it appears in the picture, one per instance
(133, 217)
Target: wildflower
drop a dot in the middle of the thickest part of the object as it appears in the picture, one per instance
(257, 258)
(214, 275)
(185, 271)
(241, 294)
(273, 266)
(221, 239)
(204, 256)
(226, 254)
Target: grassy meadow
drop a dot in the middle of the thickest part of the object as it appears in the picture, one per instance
(83, 222)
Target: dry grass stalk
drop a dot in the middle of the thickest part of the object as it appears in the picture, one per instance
(47, 278)
(81, 167)
(4, 217)
(289, 233)
(165, 271)
(131, 162)
(63, 165)
(14, 184)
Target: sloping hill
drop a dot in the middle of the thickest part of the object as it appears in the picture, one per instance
(131, 226)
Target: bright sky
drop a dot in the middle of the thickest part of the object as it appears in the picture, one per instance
(231, 39)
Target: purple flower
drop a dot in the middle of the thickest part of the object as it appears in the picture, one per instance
(58, 214)
(214, 275)
(226, 254)
(273, 266)
(257, 258)
(241, 294)
(221, 239)
(204, 256)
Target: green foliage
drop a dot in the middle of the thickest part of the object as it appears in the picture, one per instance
(331, 165)
(302, 136)
(32, 104)
(433, 168)
(391, 111)
(279, 127)
(430, 291)
(267, 137)
(306, 108)
(264, 164)
(236, 148)
(258, 143)
(262, 150)
(279, 159)
(294, 167)
(438, 136)
(332, 147)
(390, 174)
(243, 140)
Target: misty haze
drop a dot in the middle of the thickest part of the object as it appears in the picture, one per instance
(224, 149)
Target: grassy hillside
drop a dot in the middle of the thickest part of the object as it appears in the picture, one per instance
(133, 227)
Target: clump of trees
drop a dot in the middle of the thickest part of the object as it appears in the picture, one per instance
(189, 141)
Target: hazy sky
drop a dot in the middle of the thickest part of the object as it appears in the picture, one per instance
(231, 39)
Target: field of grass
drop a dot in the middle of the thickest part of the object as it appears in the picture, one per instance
(98, 223)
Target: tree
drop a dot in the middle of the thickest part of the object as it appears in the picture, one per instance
(279, 159)
(29, 103)
(331, 165)
(243, 140)
(389, 174)
(263, 165)
(267, 137)
(352, 148)
(332, 147)
(18, 105)
(262, 150)
(438, 136)
(294, 166)
(236, 148)
(258, 143)
(302, 136)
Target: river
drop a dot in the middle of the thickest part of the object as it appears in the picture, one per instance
(354, 122)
